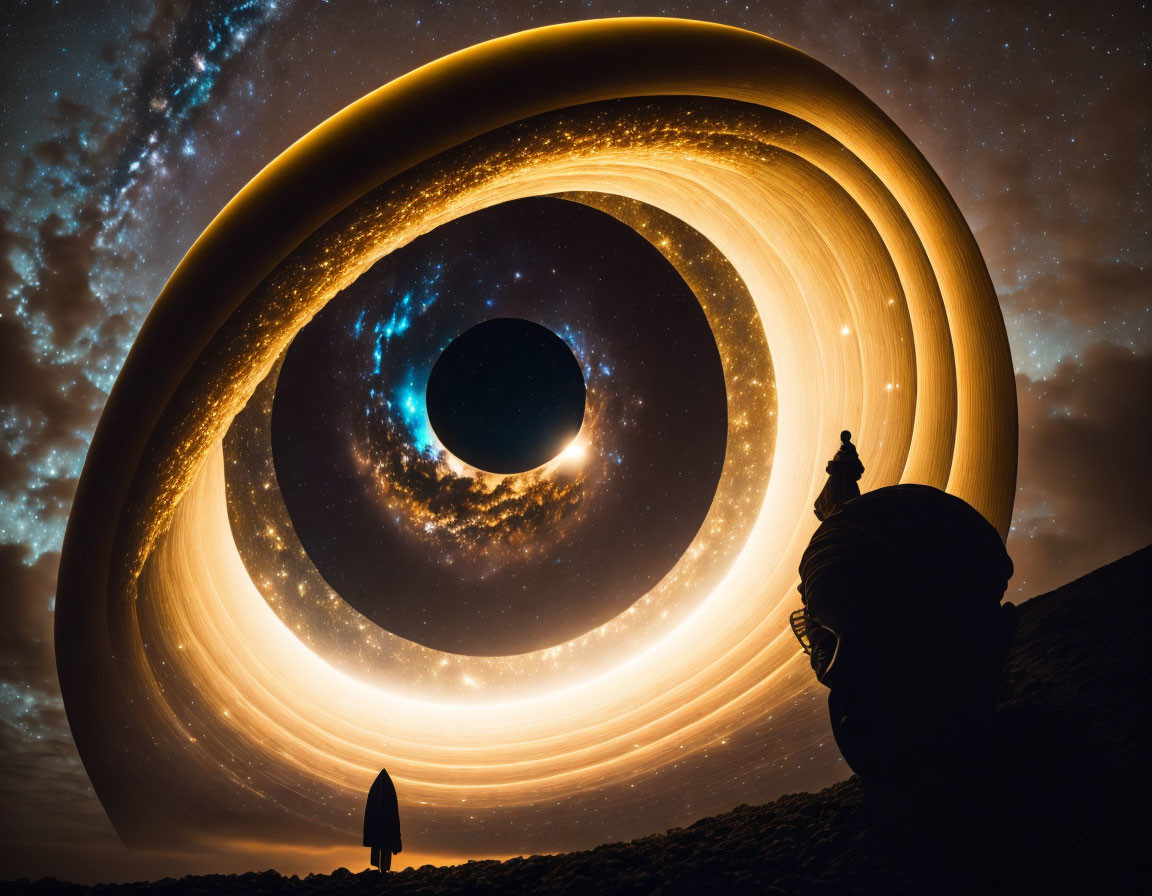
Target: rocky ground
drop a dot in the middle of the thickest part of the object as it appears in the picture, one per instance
(1061, 810)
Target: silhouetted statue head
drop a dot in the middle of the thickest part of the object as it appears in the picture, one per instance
(903, 620)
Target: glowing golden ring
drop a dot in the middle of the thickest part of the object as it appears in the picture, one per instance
(878, 310)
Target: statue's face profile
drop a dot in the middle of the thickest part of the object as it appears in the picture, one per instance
(913, 675)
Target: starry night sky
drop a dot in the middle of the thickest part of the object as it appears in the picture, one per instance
(127, 126)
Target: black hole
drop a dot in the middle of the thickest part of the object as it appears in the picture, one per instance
(506, 396)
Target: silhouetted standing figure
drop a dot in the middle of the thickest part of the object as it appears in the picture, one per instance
(844, 471)
(382, 821)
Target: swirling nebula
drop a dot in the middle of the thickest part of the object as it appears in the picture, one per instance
(807, 226)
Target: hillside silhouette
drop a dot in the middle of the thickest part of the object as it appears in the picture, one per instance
(1072, 784)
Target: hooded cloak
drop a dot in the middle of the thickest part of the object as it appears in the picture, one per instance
(382, 816)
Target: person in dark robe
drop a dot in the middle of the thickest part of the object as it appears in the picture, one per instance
(903, 622)
(382, 821)
(844, 471)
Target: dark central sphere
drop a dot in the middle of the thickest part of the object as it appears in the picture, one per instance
(506, 395)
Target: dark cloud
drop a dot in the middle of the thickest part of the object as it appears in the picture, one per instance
(46, 794)
(52, 408)
(1085, 493)
(69, 254)
(1111, 164)
(65, 164)
(47, 800)
(8, 243)
(26, 617)
(1068, 200)
(64, 292)
(1092, 293)
(59, 330)
(48, 304)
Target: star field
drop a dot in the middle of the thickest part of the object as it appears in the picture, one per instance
(127, 127)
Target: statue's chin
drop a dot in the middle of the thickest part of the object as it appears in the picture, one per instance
(878, 747)
(907, 755)
(858, 750)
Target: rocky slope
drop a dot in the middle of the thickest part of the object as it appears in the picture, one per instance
(1060, 811)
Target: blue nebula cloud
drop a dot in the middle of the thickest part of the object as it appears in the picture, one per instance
(398, 366)
(413, 408)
